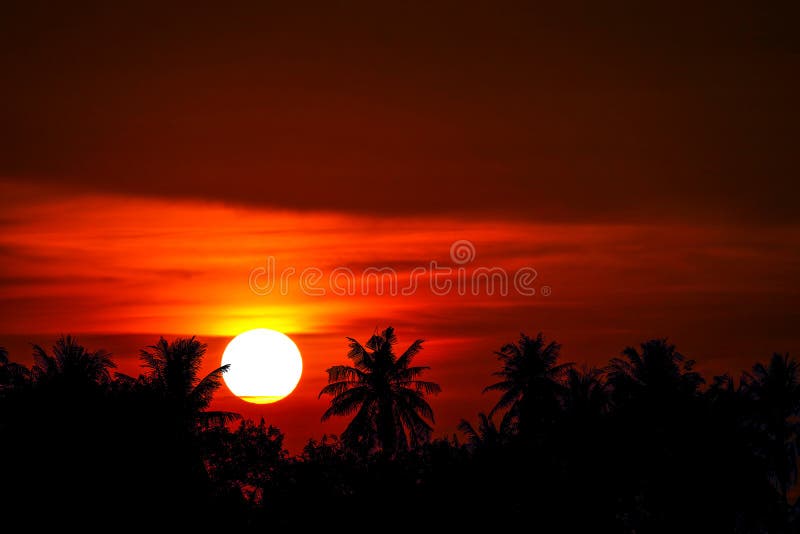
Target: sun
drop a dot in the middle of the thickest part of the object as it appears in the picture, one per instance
(265, 366)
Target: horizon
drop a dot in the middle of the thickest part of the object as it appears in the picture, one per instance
(298, 414)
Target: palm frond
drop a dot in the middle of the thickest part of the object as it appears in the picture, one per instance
(43, 362)
(358, 353)
(558, 370)
(414, 401)
(125, 380)
(337, 388)
(410, 373)
(505, 385)
(217, 418)
(405, 359)
(347, 402)
(361, 429)
(154, 358)
(338, 373)
(389, 335)
(468, 430)
(419, 429)
(203, 392)
(508, 399)
(426, 387)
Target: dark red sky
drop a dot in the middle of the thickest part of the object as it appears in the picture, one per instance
(642, 159)
(611, 111)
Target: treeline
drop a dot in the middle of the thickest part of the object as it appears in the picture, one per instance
(643, 444)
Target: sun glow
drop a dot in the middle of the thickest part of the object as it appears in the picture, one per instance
(265, 366)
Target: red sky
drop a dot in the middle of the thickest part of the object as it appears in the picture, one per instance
(641, 159)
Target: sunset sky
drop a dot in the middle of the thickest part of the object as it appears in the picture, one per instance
(643, 161)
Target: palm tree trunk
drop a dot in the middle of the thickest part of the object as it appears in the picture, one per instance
(387, 434)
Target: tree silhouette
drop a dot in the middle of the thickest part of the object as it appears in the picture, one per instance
(60, 428)
(585, 395)
(487, 436)
(737, 438)
(580, 442)
(71, 365)
(776, 389)
(638, 445)
(385, 394)
(531, 380)
(12, 374)
(658, 372)
(175, 397)
(658, 414)
(248, 458)
(173, 374)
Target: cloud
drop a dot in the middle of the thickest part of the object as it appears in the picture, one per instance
(614, 113)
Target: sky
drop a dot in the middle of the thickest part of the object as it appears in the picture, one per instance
(636, 165)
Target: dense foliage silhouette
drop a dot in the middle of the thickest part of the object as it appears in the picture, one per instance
(641, 445)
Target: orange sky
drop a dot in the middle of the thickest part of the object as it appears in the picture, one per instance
(642, 158)
(120, 270)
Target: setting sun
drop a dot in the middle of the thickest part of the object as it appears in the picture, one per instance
(265, 366)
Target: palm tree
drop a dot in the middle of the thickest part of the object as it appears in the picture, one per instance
(385, 394)
(659, 416)
(531, 380)
(775, 388)
(658, 373)
(71, 365)
(585, 395)
(487, 436)
(12, 374)
(173, 374)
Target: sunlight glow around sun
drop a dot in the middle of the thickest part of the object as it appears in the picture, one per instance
(265, 366)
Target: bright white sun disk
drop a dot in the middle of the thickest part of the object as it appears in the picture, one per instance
(265, 366)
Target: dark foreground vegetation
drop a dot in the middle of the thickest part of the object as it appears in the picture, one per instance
(642, 445)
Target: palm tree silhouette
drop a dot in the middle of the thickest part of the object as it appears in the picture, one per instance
(659, 416)
(530, 382)
(776, 389)
(12, 374)
(384, 392)
(658, 373)
(585, 394)
(487, 436)
(71, 365)
(173, 375)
